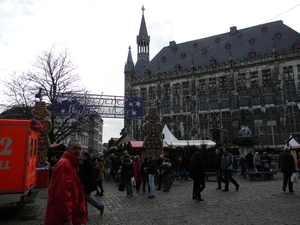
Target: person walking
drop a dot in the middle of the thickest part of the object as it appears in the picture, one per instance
(183, 166)
(197, 169)
(66, 202)
(226, 165)
(150, 170)
(159, 170)
(89, 183)
(136, 172)
(166, 168)
(286, 165)
(99, 183)
(243, 166)
(144, 174)
(108, 165)
(127, 174)
(218, 168)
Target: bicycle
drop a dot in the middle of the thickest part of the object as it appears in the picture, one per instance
(175, 179)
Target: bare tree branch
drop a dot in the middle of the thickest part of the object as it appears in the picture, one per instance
(54, 73)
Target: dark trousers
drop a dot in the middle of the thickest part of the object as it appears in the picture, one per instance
(219, 177)
(145, 181)
(199, 185)
(287, 180)
(99, 184)
(160, 177)
(228, 177)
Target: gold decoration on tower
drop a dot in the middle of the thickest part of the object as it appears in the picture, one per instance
(153, 130)
(41, 114)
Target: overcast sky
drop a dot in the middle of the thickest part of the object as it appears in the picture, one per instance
(98, 33)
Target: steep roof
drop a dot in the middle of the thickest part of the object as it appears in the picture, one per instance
(264, 37)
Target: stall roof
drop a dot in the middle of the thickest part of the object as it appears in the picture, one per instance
(139, 144)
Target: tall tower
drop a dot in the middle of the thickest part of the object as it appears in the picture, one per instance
(129, 74)
(143, 41)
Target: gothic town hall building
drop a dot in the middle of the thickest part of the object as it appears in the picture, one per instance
(208, 88)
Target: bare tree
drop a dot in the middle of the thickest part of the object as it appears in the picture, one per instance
(52, 74)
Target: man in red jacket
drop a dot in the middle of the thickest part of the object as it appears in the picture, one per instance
(66, 203)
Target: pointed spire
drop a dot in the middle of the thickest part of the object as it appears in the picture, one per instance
(143, 28)
(143, 42)
(129, 66)
(143, 9)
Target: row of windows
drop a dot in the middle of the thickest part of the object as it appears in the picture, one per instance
(223, 83)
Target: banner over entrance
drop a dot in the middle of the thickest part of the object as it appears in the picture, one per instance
(104, 106)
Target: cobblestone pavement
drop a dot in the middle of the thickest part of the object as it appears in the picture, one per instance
(256, 202)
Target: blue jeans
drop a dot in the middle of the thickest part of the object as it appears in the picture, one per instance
(93, 202)
(107, 173)
(183, 174)
(151, 184)
(128, 186)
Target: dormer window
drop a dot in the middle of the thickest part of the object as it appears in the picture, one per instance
(296, 45)
(182, 55)
(251, 40)
(163, 59)
(278, 35)
(174, 49)
(239, 35)
(252, 54)
(227, 46)
(195, 45)
(212, 61)
(147, 72)
(217, 40)
(264, 29)
(177, 67)
(204, 50)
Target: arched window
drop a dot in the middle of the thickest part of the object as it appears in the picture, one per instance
(163, 58)
(182, 55)
(251, 40)
(264, 29)
(212, 61)
(278, 35)
(227, 46)
(252, 54)
(204, 50)
(195, 45)
(177, 67)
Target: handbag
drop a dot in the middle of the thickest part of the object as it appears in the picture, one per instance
(121, 187)
(294, 177)
(133, 183)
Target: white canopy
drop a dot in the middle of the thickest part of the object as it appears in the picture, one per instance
(293, 143)
(172, 141)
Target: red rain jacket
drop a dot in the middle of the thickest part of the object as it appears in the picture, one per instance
(66, 199)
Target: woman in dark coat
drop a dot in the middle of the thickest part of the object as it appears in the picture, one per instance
(198, 175)
(127, 174)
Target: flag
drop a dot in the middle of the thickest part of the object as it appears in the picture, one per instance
(133, 108)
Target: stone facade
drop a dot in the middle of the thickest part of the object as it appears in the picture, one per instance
(212, 99)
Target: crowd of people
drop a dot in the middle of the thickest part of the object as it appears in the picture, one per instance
(77, 174)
